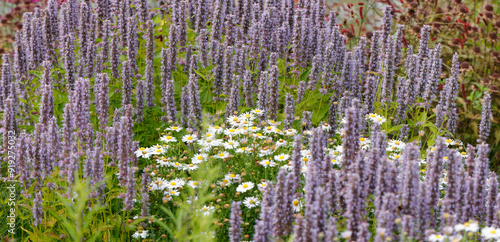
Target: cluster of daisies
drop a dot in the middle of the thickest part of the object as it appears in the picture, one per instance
(469, 231)
(244, 141)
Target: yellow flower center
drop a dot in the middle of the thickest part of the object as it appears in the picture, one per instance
(446, 157)
(282, 157)
(189, 138)
(245, 185)
(267, 162)
(230, 143)
(172, 192)
(195, 183)
(258, 134)
(448, 141)
(231, 130)
(235, 119)
(158, 151)
(232, 175)
(463, 153)
(243, 148)
(191, 165)
(361, 139)
(176, 164)
(373, 115)
(305, 159)
(438, 236)
(221, 154)
(169, 137)
(257, 111)
(173, 184)
(142, 148)
(205, 209)
(199, 157)
(493, 232)
(295, 203)
(397, 142)
(216, 127)
(225, 181)
(208, 135)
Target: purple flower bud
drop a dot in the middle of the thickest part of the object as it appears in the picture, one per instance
(36, 209)
(410, 178)
(484, 126)
(235, 229)
(128, 202)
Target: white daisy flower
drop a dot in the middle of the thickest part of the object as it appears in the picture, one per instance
(233, 177)
(191, 167)
(490, 233)
(231, 144)
(225, 182)
(272, 122)
(281, 157)
(290, 132)
(215, 129)
(335, 161)
(176, 183)
(262, 186)
(297, 205)
(207, 210)
(269, 129)
(463, 154)
(222, 155)
(288, 166)
(189, 138)
(258, 112)
(247, 116)
(468, 227)
(174, 128)
(168, 138)
(142, 152)
(245, 187)
(199, 158)
(326, 127)
(158, 184)
(346, 234)
(194, 184)
(142, 234)
(436, 237)
(394, 145)
(244, 150)
(281, 143)
(254, 129)
(176, 165)
(231, 132)
(163, 162)
(251, 202)
(375, 118)
(233, 120)
(259, 136)
(267, 163)
(172, 192)
(265, 152)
